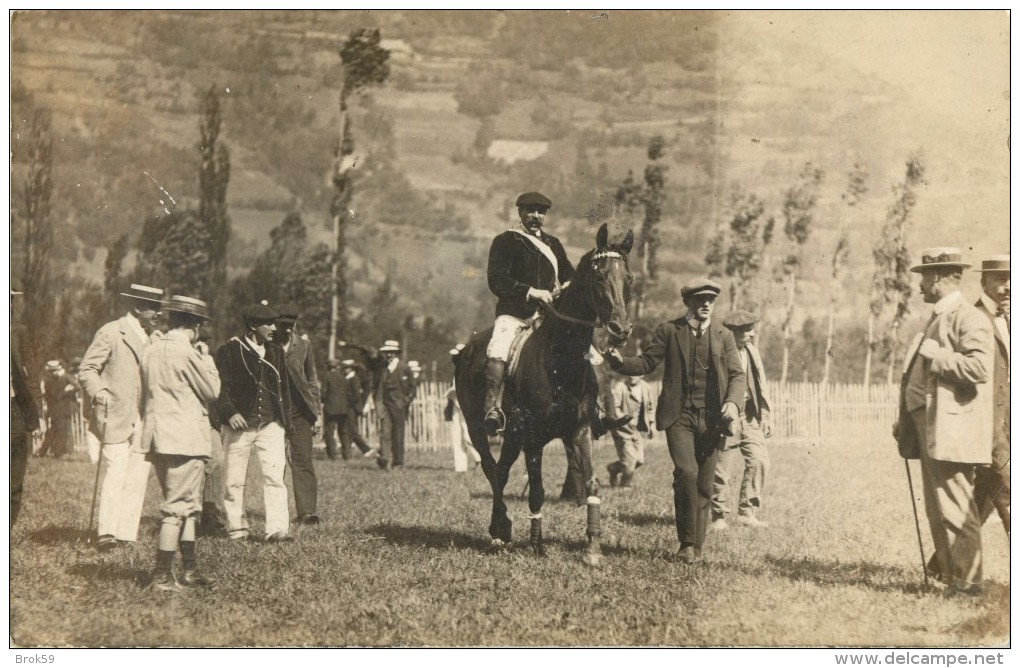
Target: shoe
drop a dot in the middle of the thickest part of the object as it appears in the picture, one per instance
(279, 537)
(106, 543)
(382, 463)
(194, 579)
(719, 524)
(614, 473)
(960, 589)
(751, 521)
(307, 518)
(371, 452)
(689, 554)
(164, 581)
(240, 536)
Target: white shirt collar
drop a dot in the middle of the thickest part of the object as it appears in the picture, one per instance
(392, 365)
(255, 345)
(943, 304)
(537, 234)
(990, 304)
(697, 325)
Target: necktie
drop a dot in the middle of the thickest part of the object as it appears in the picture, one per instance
(1003, 312)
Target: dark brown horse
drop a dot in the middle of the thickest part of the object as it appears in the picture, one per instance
(553, 391)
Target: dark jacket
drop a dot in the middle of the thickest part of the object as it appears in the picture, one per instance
(304, 381)
(515, 265)
(341, 395)
(393, 390)
(239, 366)
(672, 344)
(24, 411)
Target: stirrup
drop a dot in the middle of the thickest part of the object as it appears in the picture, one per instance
(495, 418)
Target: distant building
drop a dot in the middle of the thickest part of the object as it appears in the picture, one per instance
(509, 151)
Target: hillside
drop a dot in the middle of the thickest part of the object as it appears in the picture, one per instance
(581, 91)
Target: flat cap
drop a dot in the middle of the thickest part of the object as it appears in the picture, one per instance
(260, 313)
(534, 199)
(288, 313)
(739, 318)
(700, 286)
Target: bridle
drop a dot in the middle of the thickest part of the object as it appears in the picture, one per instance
(598, 255)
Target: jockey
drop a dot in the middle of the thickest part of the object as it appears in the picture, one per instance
(527, 267)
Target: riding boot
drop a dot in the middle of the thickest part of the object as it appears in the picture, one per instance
(495, 421)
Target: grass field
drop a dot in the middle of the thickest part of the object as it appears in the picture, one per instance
(398, 561)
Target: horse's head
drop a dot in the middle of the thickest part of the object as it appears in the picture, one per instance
(611, 280)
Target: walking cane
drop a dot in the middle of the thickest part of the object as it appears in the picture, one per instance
(917, 524)
(99, 467)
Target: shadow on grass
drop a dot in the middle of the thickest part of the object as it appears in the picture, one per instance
(419, 536)
(52, 534)
(99, 572)
(877, 577)
(646, 519)
(992, 619)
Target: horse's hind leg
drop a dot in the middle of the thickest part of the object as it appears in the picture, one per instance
(536, 496)
(480, 441)
(500, 525)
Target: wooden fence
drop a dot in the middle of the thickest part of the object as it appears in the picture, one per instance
(805, 413)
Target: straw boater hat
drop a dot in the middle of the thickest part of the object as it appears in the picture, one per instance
(995, 263)
(413, 365)
(390, 346)
(348, 362)
(54, 365)
(189, 305)
(143, 293)
(456, 350)
(945, 256)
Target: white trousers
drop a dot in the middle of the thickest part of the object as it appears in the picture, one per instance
(460, 442)
(268, 442)
(503, 332)
(124, 475)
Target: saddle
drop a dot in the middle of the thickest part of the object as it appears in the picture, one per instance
(514, 356)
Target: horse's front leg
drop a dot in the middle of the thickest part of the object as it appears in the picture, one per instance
(536, 495)
(500, 525)
(583, 448)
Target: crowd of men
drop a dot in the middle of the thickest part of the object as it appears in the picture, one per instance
(158, 400)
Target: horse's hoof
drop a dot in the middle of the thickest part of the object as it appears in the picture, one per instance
(497, 547)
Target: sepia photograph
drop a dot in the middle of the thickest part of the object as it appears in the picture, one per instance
(572, 328)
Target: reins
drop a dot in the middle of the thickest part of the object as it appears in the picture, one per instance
(579, 321)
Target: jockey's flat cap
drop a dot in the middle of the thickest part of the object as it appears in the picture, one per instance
(739, 319)
(700, 286)
(534, 199)
(288, 313)
(260, 314)
(189, 305)
(143, 293)
(995, 263)
(934, 258)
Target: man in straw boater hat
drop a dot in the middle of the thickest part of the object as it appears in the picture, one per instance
(394, 391)
(179, 383)
(111, 376)
(254, 409)
(304, 412)
(25, 422)
(946, 417)
(991, 484)
(702, 386)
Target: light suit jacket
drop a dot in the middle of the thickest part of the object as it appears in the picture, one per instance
(621, 402)
(180, 383)
(958, 393)
(113, 362)
(1000, 392)
(757, 384)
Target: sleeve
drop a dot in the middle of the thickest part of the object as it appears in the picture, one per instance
(202, 376)
(224, 403)
(971, 361)
(613, 403)
(93, 362)
(737, 386)
(647, 361)
(501, 283)
(313, 379)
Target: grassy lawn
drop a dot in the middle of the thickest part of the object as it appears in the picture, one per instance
(398, 562)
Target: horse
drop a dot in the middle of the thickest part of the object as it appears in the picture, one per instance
(553, 391)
